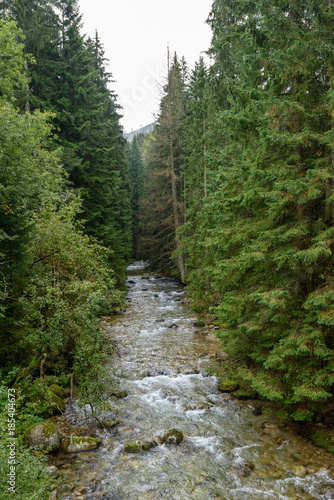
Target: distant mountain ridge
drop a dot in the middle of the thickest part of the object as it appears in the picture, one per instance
(143, 130)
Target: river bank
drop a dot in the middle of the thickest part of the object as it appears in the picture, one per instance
(230, 449)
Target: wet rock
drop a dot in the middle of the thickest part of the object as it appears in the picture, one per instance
(269, 427)
(157, 372)
(191, 372)
(203, 355)
(282, 442)
(242, 470)
(125, 430)
(44, 436)
(275, 473)
(257, 411)
(75, 444)
(299, 471)
(108, 424)
(172, 436)
(139, 446)
(199, 324)
(53, 471)
(159, 320)
(131, 282)
(172, 326)
(199, 406)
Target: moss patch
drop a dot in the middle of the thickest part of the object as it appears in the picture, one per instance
(57, 390)
(324, 439)
(138, 446)
(49, 428)
(58, 403)
(199, 324)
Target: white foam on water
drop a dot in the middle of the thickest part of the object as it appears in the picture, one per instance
(309, 483)
(209, 444)
(151, 332)
(248, 493)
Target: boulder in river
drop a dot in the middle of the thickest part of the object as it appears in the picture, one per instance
(191, 372)
(242, 470)
(75, 444)
(108, 424)
(156, 372)
(44, 436)
(199, 406)
(139, 446)
(172, 436)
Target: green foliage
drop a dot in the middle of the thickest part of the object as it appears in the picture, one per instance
(31, 477)
(56, 280)
(136, 172)
(323, 438)
(12, 61)
(162, 206)
(258, 237)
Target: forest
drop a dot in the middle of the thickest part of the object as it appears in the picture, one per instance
(232, 193)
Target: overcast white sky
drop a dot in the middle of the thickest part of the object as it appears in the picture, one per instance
(135, 34)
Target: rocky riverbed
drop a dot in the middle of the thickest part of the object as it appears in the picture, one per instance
(222, 448)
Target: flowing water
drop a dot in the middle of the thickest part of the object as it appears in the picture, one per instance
(228, 452)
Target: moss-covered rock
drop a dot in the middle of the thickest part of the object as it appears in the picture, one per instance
(58, 404)
(57, 390)
(75, 444)
(139, 446)
(199, 324)
(227, 385)
(108, 424)
(44, 436)
(172, 436)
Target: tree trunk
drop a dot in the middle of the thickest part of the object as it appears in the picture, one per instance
(177, 224)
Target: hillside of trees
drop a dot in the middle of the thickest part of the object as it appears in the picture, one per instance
(238, 195)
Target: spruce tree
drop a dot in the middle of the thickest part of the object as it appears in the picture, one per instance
(163, 206)
(136, 170)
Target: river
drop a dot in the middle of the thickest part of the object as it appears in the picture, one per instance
(230, 450)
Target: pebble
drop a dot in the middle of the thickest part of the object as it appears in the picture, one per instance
(299, 471)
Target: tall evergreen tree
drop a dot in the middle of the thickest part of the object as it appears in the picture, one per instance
(163, 205)
(136, 170)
